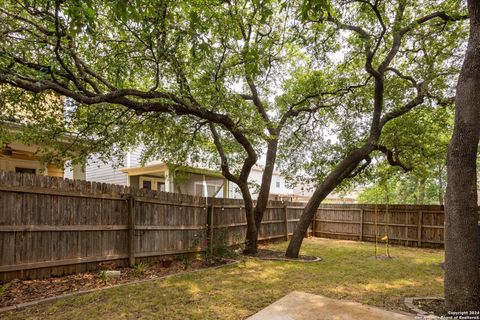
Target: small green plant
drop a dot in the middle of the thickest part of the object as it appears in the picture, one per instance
(104, 276)
(184, 259)
(140, 268)
(186, 263)
(215, 248)
(178, 257)
(220, 246)
(197, 240)
(202, 241)
(3, 288)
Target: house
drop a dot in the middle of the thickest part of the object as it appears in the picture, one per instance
(22, 158)
(156, 175)
(178, 179)
(279, 189)
(198, 180)
(15, 154)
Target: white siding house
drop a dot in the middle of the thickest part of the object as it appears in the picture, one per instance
(154, 175)
(96, 170)
(158, 176)
(278, 188)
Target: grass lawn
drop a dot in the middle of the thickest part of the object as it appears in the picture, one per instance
(235, 292)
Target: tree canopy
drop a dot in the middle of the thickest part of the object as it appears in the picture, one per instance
(158, 72)
(398, 66)
(422, 140)
(337, 89)
(225, 81)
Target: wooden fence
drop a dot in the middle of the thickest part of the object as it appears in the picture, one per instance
(410, 225)
(51, 226)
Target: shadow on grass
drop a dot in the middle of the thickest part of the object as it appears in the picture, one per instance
(235, 292)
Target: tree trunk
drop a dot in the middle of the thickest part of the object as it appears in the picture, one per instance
(421, 191)
(440, 185)
(413, 191)
(462, 276)
(251, 238)
(262, 200)
(341, 171)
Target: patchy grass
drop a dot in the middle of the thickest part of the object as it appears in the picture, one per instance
(235, 292)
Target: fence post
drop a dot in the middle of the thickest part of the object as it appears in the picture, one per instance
(131, 230)
(361, 224)
(314, 223)
(420, 223)
(285, 217)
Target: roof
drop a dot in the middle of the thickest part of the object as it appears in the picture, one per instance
(160, 166)
(134, 171)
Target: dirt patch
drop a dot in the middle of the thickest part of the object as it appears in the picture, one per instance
(431, 306)
(280, 255)
(20, 291)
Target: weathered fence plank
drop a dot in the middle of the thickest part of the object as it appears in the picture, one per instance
(285, 221)
(131, 230)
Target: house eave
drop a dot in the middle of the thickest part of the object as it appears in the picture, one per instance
(144, 170)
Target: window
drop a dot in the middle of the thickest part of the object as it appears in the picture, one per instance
(278, 183)
(152, 183)
(147, 184)
(212, 189)
(25, 170)
(199, 189)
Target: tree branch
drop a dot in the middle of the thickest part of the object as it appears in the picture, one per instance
(439, 14)
(392, 158)
(223, 157)
(259, 104)
(293, 112)
(151, 101)
(247, 97)
(401, 75)
(365, 36)
(418, 100)
(367, 162)
(397, 37)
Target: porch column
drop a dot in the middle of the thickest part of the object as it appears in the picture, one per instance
(169, 187)
(226, 189)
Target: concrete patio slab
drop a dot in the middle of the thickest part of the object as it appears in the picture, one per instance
(300, 305)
